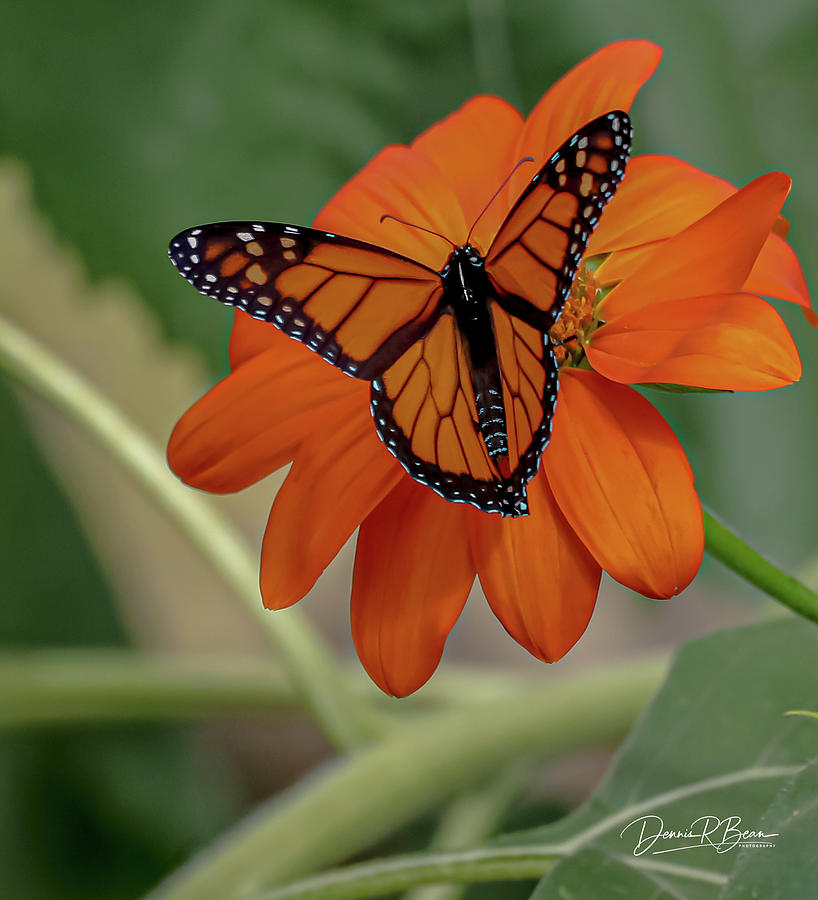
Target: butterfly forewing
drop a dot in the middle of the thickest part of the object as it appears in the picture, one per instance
(356, 305)
(535, 255)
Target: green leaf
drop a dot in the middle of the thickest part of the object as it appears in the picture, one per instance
(713, 756)
(790, 869)
(714, 743)
(579, 876)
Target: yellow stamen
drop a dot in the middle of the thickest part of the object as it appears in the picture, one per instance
(578, 320)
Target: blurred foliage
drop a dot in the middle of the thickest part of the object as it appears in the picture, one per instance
(100, 813)
(33, 507)
(685, 759)
(137, 120)
(105, 813)
(106, 333)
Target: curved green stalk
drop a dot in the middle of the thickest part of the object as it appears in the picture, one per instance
(84, 686)
(810, 714)
(411, 771)
(470, 820)
(386, 876)
(71, 687)
(508, 862)
(731, 550)
(307, 658)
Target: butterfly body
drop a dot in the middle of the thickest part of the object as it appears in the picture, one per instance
(467, 291)
(463, 377)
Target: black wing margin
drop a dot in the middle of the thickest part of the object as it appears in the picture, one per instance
(356, 305)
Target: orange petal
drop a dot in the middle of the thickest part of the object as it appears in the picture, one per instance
(662, 196)
(777, 273)
(251, 422)
(413, 572)
(538, 577)
(336, 480)
(712, 256)
(621, 264)
(726, 342)
(608, 79)
(659, 197)
(403, 183)
(493, 126)
(624, 484)
(249, 337)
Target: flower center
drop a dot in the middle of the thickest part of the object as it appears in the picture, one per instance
(579, 319)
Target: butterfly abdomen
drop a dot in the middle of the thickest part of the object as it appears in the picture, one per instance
(491, 414)
(468, 291)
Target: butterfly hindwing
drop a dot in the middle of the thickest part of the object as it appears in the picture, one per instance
(535, 255)
(425, 412)
(529, 378)
(356, 305)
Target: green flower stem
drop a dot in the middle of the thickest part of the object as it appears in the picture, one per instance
(810, 714)
(307, 658)
(365, 797)
(731, 550)
(82, 686)
(470, 820)
(382, 877)
(48, 687)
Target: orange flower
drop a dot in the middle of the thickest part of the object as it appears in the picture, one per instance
(683, 256)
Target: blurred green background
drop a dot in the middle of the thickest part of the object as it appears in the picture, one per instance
(133, 121)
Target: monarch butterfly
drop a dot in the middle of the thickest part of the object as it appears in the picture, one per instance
(463, 374)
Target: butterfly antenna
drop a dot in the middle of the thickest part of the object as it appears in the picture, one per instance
(420, 227)
(525, 159)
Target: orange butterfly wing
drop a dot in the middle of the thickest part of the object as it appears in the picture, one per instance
(383, 317)
(535, 255)
(530, 380)
(356, 305)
